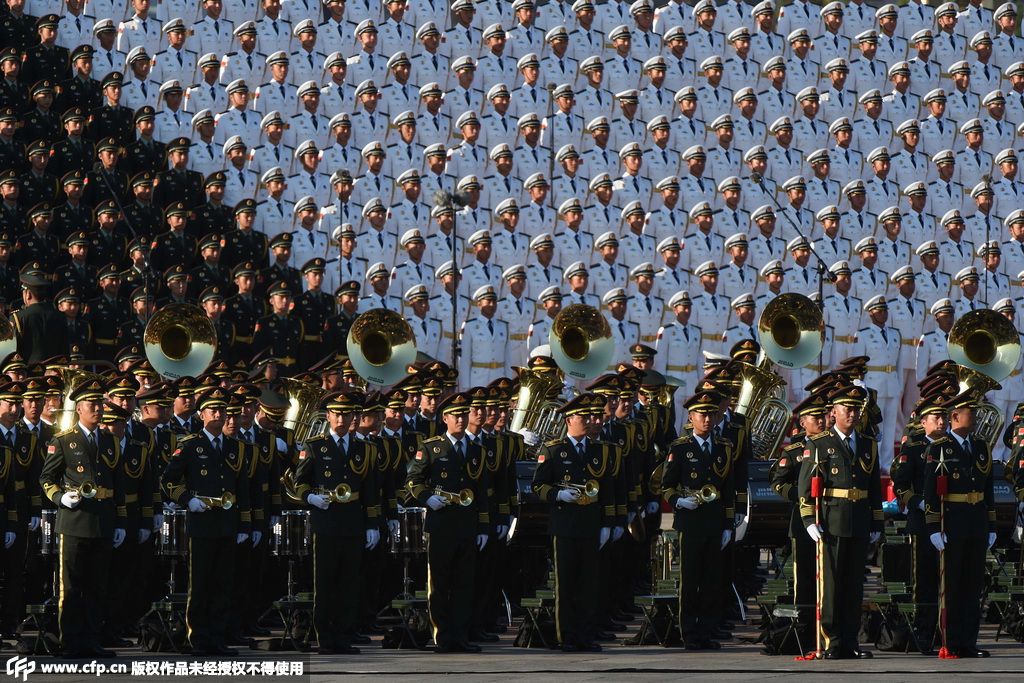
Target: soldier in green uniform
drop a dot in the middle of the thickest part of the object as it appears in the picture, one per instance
(243, 310)
(41, 329)
(446, 467)
(279, 331)
(178, 183)
(212, 302)
(108, 244)
(81, 91)
(698, 485)
(13, 93)
(427, 421)
(46, 61)
(112, 119)
(846, 461)
(37, 183)
(106, 313)
(143, 215)
(69, 303)
(72, 215)
(343, 525)
(41, 122)
(131, 331)
(77, 272)
(580, 522)
(141, 496)
(209, 272)
(83, 477)
(74, 152)
(279, 270)
(243, 245)
(214, 216)
(176, 247)
(336, 327)
(12, 150)
(314, 307)
(961, 522)
(17, 28)
(21, 465)
(784, 477)
(207, 476)
(109, 183)
(144, 153)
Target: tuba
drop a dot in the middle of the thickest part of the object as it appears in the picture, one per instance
(179, 341)
(66, 417)
(986, 348)
(581, 341)
(304, 416)
(792, 333)
(381, 345)
(535, 411)
(290, 487)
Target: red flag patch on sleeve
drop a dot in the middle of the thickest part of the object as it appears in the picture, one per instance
(302, 455)
(51, 449)
(782, 463)
(419, 455)
(541, 458)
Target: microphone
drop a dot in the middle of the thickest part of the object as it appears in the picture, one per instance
(441, 198)
(987, 179)
(756, 177)
(460, 198)
(98, 167)
(550, 87)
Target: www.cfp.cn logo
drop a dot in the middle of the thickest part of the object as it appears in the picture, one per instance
(20, 666)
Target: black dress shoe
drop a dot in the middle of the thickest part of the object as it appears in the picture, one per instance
(611, 625)
(467, 647)
(483, 637)
(726, 625)
(225, 651)
(117, 641)
(74, 654)
(834, 653)
(374, 629)
(256, 630)
(972, 653)
(590, 647)
(620, 615)
(360, 639)
(605, 636)
(569, 648)
(711, 645)
(101, 653)
(497, 628)
(346, 650)
(694, 645)
(719, 634)
(325, 650)
(862, 654)
(241, 640)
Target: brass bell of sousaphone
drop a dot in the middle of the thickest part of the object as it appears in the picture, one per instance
(791, 330)
(581, 341)
(179, 341)
(8, 337)
(381, 344)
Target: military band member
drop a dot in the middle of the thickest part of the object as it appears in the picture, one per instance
(961, 523)
(204, 474)
(696, 461)
(445, 467)
(785, 475)
(846, 461)
(579, 522)
(279, 331)
(90, 526)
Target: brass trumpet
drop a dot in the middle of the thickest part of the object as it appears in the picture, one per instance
(706, 494)
(341, 493)
(588, 490)
(225, 500)
(463, 497)
(86, 490)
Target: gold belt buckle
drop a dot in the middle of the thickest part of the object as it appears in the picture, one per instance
(854, 494)
(975, 497)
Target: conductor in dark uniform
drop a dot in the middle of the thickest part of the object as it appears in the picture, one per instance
(42, 330)
(444, 475)
(334, 463)
(579, 522)
(82, 477)
(280, 332)
(846, 461)
(698, 485)
(908, 478)
(785, 478)
(206, 476)
(961, 523)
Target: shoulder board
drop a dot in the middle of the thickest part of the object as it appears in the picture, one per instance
(683, 439)
(439, 437)
(793, 447)
(941, 439)
(65, 432)
(187, 437)
(819, 436)
(723, 442)
(552, 443)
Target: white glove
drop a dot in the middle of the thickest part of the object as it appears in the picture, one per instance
(394, 527)
(158, 522)
(372, 538)
(317, 500)
(875, 535)
(737, 518)
(196, 505)
(274, 519)
(690, 503)
(436, 502)
(34, 523)
(630, 517)
(726, 537)
(9, 539)
(991, 540)
(144, 535)
(606, 533)
(170, 506)
(70, 500)
(530, 438)
(653, 508)
(617, 532)
(938, 541)
(241, 538)
(481, 541)
(1018, 533)
(814, 532)
(502, 531)
(568, 496)
(256, 536)
(920, 506)
(119, 535)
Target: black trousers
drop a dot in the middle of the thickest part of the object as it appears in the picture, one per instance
(124, 581)
(805, 568)
(700, 589)
(576, 589)
(211, 575)
(336, 563)
(926, 582)
(15, 565)
(965, 577)
(451, 568)
(842, 590)
(84, 567)
(485, 584)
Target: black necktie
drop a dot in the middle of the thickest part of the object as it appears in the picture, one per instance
(459, 455)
